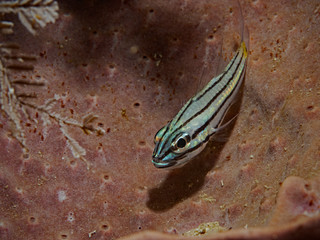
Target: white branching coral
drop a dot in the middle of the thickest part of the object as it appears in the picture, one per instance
(16, 106)
(32, 13)
(10, 105)
(6, 27)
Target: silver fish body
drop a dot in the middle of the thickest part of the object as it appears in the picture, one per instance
(188, 132)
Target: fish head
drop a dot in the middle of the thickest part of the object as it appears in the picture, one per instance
(174, 148)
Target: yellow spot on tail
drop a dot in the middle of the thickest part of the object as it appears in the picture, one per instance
(244, 48)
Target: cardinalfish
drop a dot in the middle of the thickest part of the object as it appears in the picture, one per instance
(186, 135)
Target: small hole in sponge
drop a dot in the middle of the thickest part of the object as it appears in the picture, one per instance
(136, 104)
(310, 107)
(72, 163)
(64, 236)
(104, 227)
(175, 39)
(32, 219)
(307, 186)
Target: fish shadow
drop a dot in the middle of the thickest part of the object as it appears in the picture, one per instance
(181, 183)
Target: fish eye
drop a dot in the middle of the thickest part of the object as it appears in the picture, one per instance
(180, 142)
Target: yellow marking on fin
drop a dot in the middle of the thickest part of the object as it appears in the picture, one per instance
(243, 46)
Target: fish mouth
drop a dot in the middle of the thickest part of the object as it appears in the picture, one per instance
(160, 164)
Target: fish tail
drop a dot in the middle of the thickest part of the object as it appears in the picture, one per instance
(244, 32)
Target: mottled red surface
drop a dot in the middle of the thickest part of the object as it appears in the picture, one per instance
(300, 229)
(132, 65)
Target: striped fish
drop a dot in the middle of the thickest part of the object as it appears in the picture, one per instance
(186, 135)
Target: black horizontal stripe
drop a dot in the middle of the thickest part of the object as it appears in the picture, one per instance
(221, 77)
(196, 98)
(189, 150)
(194, 148)
(165, 154)
(191, 101)
(220, 121)
(210, 102)
(208, 121)
(195, 134)
(157, 146)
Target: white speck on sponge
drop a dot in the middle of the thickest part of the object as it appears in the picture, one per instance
(62, 195)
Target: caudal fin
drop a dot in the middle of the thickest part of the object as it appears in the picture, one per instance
(244, 31)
